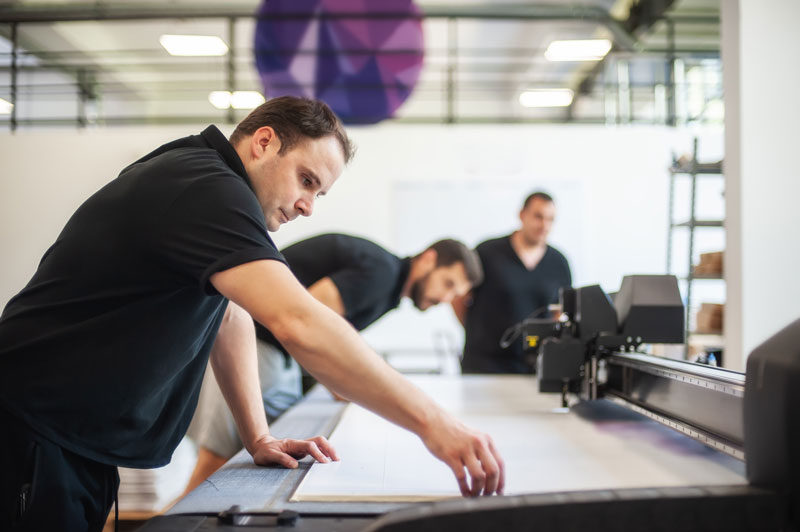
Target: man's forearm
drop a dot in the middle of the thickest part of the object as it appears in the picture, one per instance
(235, 365)
(333, 352)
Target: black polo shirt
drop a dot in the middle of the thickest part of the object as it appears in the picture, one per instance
(368, 277)
(103, 352)
(509, 294)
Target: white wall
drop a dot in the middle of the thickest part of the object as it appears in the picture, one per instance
(46, 176)
(408, 186)
(761, 73)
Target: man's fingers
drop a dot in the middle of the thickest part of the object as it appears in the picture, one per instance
(479, 469)
(470, 454)
(314, 451)
(476, 473)
(286, 460)
(490, 467)
(461, 477)
(501, 481)
(457, 467)
(276, 456)
(302, 448)
(287, 452)
(326, 447)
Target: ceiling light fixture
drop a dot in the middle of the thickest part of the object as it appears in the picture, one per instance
(546, 98)
(237, 99)
(246, 99)
(583, 50)
(5, 107)
(193, 45)
(220, 99)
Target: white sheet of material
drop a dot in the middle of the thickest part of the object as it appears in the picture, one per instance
(545, 448)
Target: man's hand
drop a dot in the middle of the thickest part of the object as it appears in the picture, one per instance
(286, 452)
(470, 454)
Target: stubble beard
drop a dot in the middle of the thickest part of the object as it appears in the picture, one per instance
(418, 291)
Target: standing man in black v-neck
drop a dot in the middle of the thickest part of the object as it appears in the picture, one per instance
(522, 276)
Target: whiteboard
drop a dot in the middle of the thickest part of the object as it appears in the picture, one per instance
(474, 210)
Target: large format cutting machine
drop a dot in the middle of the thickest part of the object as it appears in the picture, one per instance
(622, 401)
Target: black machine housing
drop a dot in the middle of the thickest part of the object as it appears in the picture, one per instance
(647, 309)
(755, 416)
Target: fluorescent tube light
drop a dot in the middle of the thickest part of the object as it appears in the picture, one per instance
(220, 99)
(546, 98)
(237, 100)
(583, 50)
(246, 99)
(194, 45)
(5, 107)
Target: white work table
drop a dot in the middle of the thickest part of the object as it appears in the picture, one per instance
(546, 448)
(595, 445)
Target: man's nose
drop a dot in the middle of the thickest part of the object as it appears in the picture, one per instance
(305, 206)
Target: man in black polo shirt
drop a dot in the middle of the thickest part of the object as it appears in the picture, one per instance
(103, 352)
(522, 275)
(360, 281)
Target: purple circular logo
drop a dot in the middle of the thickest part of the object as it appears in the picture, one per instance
(361, 57)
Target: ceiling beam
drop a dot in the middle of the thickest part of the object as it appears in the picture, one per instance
(51, 13)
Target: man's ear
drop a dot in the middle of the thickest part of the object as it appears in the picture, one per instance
(263, 141)
(428, 259)
(422, 265)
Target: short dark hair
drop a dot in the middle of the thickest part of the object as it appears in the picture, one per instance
(544, 196)
(449, 251)
(295, 119)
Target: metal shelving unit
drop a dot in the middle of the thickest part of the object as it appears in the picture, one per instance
(694, 171)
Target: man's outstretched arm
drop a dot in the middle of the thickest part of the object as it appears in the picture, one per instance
(331, 350)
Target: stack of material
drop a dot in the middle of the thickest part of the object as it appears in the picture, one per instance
(709, 318)
(710, 265)
(153, 490)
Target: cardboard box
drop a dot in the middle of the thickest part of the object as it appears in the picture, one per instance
(710, 265)
(710, 318)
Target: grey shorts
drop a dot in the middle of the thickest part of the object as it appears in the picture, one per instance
(213, 426)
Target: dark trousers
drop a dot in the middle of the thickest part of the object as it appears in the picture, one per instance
(46, 487)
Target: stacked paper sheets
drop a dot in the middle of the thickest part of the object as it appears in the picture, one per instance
(152, 490)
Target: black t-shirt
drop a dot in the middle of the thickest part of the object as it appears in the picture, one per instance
(368, 277)
(103, 352)
(509, 294)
